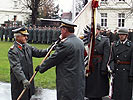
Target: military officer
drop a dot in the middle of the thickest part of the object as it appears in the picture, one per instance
(21, 65)
(97, 83)
(121, 64)
(69, 61)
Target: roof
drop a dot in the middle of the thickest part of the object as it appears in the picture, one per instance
(67, 15)
(56, 20)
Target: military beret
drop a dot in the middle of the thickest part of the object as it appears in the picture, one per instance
(67, 24)
(123, 31)
(21, 30)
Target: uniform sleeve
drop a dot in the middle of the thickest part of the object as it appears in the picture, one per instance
(106, 54)
(15, 66)
(38, 53)
(61, 52)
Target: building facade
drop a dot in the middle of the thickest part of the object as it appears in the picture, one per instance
(114, 14)
(13, 8)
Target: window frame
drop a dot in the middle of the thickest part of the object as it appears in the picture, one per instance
(104, 20)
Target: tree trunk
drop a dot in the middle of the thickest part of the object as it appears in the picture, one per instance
(35, 11)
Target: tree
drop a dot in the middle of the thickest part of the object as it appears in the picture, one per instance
(39, 8)
(79, 6)
(49, 10)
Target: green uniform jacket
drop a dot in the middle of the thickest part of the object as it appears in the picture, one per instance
(122, 87)
(21, 67)
(69, 61)
(44, 36)
(97, 84)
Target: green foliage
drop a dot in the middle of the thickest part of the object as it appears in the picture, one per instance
(45, 80)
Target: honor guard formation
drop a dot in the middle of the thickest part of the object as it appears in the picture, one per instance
(37, 34)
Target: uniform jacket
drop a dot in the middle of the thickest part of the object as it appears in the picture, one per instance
(21, 67)
(97, 85)
(69, 61)
(122, 65)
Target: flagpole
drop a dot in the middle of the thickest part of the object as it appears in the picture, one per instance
(90, 68)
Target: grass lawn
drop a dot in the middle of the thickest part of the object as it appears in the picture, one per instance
(45, 80)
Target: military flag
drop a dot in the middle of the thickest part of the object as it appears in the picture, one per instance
(86, 22)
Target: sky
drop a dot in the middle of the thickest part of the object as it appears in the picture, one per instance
(66, 5)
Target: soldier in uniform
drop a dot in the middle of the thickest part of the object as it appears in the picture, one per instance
(21, 65)
(121, 64)
(34, 34)
(1, 32)
(49, 35)
(115, 36)
(39, 34)
(30, 38)
(10, 33)
(130, 35)
(54, 36)
(44, 35)
(58, 31)
(97, 83)
(109, 34)
(6, 32)
(69, 61)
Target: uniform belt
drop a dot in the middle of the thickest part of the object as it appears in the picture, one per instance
(123, 62)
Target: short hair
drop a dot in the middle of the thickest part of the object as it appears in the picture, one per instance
(71, 30)
(17, 34)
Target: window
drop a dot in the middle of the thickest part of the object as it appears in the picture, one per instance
(121, 0)
(103, 19)
(15, 4)
(104, 0)
(121, 20)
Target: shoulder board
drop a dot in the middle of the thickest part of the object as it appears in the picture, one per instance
(12, 47)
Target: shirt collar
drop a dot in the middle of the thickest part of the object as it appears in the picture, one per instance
(123, 41)
(19, 43)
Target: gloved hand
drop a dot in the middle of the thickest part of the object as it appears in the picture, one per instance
(130, 78)
(26, 83)
(37, 68)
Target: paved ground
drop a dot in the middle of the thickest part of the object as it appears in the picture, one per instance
(41, 94)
